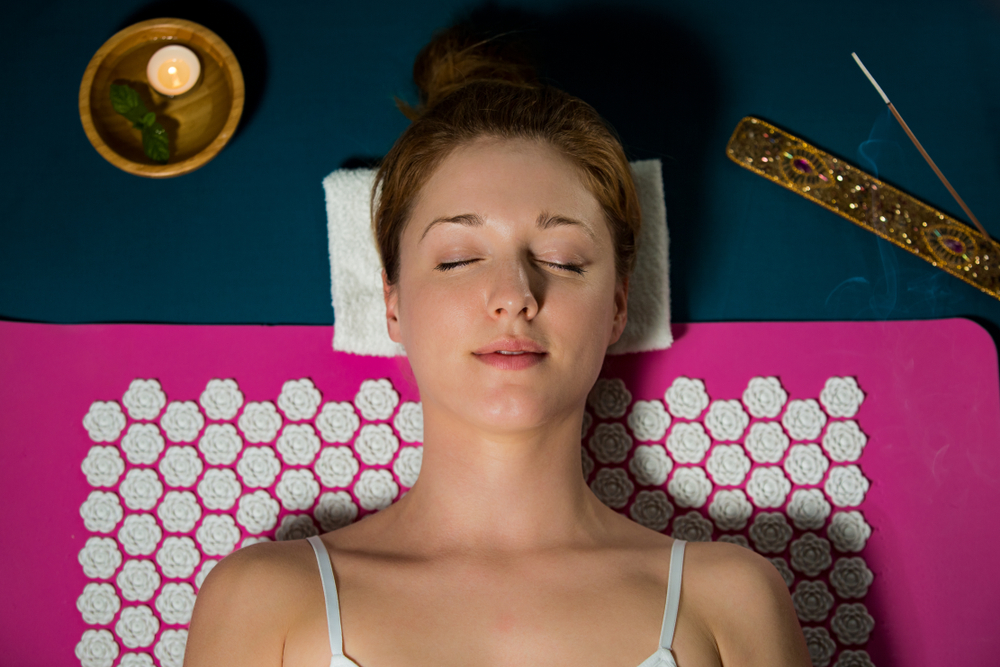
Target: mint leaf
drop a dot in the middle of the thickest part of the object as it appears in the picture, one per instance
(124, 99)
(135, 115)
(154, 142)
(154, 137)
(126, 102)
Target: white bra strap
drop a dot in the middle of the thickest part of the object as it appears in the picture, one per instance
(330, 595)
(673, 594)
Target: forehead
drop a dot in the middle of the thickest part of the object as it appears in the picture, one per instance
(506, 180)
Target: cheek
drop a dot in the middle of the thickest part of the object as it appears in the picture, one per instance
(587, 312)
(437, 328)
(429, 312)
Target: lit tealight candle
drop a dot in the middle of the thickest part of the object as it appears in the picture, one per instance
(173, 70)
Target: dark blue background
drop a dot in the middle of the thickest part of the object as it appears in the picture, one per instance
(243, 240)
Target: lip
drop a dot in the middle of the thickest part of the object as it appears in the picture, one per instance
(511, 344)
(511, 362)
(521, 353)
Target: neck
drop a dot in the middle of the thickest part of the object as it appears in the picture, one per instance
(487, 492)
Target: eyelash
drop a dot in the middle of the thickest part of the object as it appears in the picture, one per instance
(573, 268)
(448, 266)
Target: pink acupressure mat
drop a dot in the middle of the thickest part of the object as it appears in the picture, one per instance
(931, 413)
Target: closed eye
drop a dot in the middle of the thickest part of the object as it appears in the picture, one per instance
(572, 268)
(448, 266)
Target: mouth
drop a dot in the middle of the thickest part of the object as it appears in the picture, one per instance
(511, 361)
(511, 354)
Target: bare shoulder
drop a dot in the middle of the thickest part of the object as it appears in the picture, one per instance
(248, 603)
(266, 568)
(730, 567)
(742, 601)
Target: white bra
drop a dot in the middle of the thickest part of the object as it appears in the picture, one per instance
(662, 658)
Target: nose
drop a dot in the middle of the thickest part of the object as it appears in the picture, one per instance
(512, 293)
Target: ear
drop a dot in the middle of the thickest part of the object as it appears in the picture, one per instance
(621, 311)
(391, 295)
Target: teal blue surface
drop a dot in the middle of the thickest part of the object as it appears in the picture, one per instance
(243, 240)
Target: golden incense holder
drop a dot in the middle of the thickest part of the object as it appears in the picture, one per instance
(866, 201)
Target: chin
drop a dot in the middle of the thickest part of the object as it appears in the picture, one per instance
(512, 410)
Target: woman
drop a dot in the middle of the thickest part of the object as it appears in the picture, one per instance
(506, 221)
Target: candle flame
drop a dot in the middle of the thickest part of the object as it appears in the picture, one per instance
(173, 73)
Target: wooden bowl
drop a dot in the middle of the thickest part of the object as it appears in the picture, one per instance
(198, 123)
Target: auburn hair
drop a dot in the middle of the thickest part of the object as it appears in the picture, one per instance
(470, 90)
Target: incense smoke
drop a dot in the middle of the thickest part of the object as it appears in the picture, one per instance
(879, 154)
(882, 155)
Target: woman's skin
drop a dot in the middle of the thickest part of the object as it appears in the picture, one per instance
(500, 555)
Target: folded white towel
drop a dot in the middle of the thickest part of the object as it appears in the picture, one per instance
(356, 273)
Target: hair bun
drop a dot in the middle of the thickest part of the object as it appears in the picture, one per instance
(455, 59)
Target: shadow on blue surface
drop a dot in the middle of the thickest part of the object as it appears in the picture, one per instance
(234, 27)
(652, 79)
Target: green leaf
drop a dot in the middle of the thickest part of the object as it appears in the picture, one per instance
(126, 102)
(124, 99)
(155, 143)
(154, 138)
(135, 115)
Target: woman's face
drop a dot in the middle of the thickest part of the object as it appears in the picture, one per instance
(507, 296)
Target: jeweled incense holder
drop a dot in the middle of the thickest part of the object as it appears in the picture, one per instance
(887, 211)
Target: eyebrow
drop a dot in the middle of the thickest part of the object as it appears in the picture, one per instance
(544, 221)
(467, 219)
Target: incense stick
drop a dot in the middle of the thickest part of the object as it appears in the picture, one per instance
(916, 142)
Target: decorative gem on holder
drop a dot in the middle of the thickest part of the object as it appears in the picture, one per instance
(804, 168)
(173, 70)
(866, 201)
